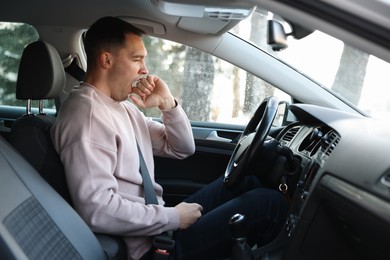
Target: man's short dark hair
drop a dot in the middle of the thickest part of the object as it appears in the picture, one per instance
(107, 33)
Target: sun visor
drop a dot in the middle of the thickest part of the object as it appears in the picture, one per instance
(146, 25)
(202, 25)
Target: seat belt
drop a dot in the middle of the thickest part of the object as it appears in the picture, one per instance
(149, 193)
(75, 71)
(163, 242)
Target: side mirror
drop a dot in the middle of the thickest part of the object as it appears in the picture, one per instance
(283, 116)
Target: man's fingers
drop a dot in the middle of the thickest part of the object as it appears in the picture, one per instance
(137, 100)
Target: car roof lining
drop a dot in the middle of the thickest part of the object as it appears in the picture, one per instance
(61, 15)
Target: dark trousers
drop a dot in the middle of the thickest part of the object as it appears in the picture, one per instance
(265, 211)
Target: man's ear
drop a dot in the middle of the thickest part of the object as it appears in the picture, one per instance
(105, 60)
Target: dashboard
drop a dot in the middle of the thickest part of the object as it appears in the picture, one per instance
(340, 208)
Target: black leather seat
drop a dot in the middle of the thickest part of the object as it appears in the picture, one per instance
(42, 76)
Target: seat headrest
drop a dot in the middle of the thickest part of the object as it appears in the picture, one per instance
(41, 73)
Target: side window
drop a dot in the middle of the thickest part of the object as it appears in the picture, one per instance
(209, 89)
(13, 39)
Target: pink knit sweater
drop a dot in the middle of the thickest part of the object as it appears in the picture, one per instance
(96, 139)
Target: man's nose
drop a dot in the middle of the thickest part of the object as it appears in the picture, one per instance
(144, 69)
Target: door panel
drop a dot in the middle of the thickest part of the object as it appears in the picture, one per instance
(181, 178)
(215, 144)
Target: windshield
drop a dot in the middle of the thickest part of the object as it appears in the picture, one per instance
(356, 76)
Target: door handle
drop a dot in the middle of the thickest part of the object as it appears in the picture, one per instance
(215, 137)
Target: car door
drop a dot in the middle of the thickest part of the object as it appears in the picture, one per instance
(211, 94)
(181, 178)
(214, 146)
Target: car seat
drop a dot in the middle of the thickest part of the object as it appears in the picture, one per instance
(37, 223)
(42, 76)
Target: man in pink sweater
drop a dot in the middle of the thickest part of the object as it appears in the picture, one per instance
(96, 135)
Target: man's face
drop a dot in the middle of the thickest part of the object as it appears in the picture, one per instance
(128, 66)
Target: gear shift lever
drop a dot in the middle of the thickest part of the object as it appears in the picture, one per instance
(240, 249)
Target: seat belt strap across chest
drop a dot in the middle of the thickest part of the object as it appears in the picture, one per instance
(149, 193)
(162, 242)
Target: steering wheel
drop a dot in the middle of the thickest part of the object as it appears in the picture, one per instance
(251, 142)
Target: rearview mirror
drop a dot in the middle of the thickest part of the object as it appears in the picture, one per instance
(277, 37)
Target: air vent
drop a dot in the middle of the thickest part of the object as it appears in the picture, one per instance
(329, 142)
(289, 135)
(227, 14)
(197, 10)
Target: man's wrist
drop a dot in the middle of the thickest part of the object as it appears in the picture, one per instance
(168, 104)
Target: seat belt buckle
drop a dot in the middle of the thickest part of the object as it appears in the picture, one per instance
(161, 252)
(163, 244)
